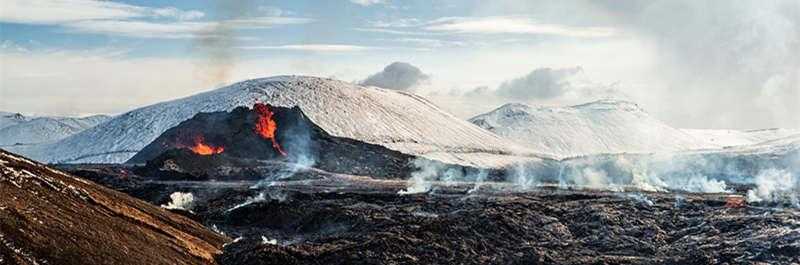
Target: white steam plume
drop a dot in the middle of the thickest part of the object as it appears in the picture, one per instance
(775, 186)
(261, 197)
(420, 181)
(180, 200)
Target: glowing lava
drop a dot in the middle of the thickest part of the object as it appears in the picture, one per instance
(266, 126)
(201, 148)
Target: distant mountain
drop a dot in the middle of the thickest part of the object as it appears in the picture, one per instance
(397, 120)
(10, 119)
(605, 126)
(50, 217)
(739, 137)
(16, 128)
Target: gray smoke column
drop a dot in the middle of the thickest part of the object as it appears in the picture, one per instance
(217, 42)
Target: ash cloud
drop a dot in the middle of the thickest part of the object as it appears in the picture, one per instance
(397, 76)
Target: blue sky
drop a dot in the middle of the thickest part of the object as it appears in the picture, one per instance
(676, 58)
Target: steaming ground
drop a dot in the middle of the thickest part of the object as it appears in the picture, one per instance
(321, 217)
(607, 127)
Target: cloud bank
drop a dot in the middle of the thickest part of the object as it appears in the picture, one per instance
(544, 83)
(562, 85)
(398, 76)
(514, 25)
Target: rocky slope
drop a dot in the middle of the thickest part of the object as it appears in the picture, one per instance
(397, 120)
(49, 217)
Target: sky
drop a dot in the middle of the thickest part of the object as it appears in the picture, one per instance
(691, 63)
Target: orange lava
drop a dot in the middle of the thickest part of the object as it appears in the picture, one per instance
(201, 148)
(735, 202)
(266, 126)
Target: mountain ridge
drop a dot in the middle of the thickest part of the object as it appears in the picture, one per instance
(602, 126)
(400, 121)
(16, 128)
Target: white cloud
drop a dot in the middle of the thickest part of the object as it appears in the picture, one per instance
(178, 29)
(514, 25)
(568, 85)
(109, 18)
(274, 11)
(266, 22)
(141, 29)
(313, 47)
(540, 83)
(397, 23)
(177, 13)
(431, 43)
(395, 32)
(10, 46)
(399, 76)
(368, 2)
(485, 25)
(62, 11)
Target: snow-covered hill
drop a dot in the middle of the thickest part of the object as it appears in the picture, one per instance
(605, 126)
(738, 138)
(9, 119)
(16, 128)
(400, 121)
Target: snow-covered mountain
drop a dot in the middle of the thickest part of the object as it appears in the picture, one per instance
(397, 120)
(605, 126)
(16, 128)
(9, 119)
(738, 137)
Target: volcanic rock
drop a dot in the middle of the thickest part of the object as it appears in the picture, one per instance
(340, 219)
(49, 217)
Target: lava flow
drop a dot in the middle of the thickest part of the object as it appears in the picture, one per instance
(266, 126)
(201, 148)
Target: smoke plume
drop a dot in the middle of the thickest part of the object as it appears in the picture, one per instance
(217, 42)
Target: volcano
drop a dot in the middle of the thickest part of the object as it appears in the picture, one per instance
(243, 139)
